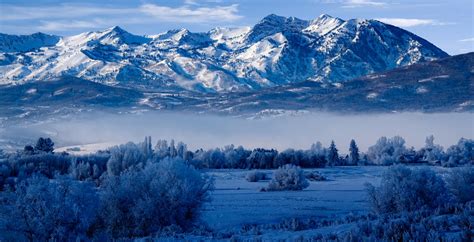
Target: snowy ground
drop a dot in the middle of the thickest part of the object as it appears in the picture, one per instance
(236, 202)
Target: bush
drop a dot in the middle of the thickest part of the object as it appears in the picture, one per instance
(288, 177)
(461, 183)
(140, 202)
(314, 176)
(255, 176)
(403, 189)
(42, 209)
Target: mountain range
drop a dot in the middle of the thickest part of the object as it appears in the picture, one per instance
(280, 66)
(445, 85)
(276, 51)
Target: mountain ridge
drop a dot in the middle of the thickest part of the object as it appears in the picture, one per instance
(278, 50)
(445, 85)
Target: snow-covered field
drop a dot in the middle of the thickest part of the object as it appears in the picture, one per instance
(236, 202)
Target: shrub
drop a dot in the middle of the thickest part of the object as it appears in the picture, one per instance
(140, 202)
(42, 209)
(403, 189)
(255, 176)
(288, 177)
(314, 176)
(461, 183)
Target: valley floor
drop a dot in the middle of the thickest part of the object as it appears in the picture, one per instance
(236, 202)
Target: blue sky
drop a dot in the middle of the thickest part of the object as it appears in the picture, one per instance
(446, 23)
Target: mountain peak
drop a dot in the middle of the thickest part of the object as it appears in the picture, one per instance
(115, 29)
(323, 24)
(117, 35)
(273, 17)
(273, 24)
(325, 16)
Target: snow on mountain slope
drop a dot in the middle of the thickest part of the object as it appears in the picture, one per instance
(24, 43)
(277, 50)
(445, 85)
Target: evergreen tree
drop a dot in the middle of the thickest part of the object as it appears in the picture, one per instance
(45, 145)
(354, 153)
(332, 155)
(29, 150)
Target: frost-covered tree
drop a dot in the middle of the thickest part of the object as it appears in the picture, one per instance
(318, 149)
(140, 202)
(461, 183)
(47, 164)
(403, 189)
(353, 153)
(80, 170)
(181, 150)
(317, 154)
(124, 156)
(332, 155)
(44, 145)
(387, 151)
(288, 177)
(172, 150)
(432, 153)
(460, 154)
(146, 146)
(162, 149)
(58, 210)
(236, 157)
(261, 158)
(5, 171)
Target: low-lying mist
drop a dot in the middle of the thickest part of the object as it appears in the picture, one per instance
(206, 131)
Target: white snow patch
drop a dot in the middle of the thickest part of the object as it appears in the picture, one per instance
(372, 95)
(432, 79)
(338, 85)
(31, 91)
(421, 90)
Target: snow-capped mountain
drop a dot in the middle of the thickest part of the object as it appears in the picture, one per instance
(445, 85)
(277, 50)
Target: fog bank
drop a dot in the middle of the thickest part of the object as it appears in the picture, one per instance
(204, 131)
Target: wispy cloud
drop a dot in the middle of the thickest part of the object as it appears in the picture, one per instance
(74, 24)
(467, 40)
(411, 22)
(199, 2)
(188, 14)
(65, 11)
(67, 16)
(190, 2)
(363, 3)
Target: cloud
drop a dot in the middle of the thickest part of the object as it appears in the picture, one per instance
(191, 2)
(74, 24)
(362, 3)
(64, 11)
(68, 16)
(192, 15)
(410, 22)
(467, 40)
